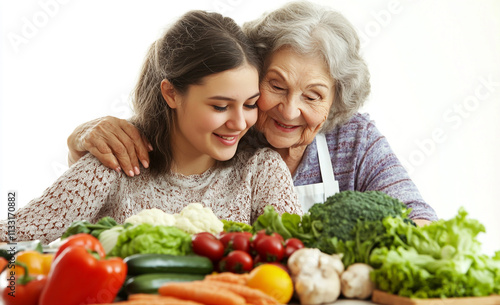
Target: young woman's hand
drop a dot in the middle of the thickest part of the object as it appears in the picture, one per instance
(115, 142)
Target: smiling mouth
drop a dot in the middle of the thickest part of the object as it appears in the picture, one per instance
(230, 138)
(285, 126)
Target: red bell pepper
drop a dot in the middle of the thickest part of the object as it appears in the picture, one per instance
(26, 289)
(79, 277)
(83, 239)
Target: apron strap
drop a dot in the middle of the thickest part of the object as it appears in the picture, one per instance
(325, 164)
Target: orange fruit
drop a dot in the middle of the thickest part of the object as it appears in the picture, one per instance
(273, 281)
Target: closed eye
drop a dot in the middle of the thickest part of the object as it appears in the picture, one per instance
(219, 108)
(253, 106)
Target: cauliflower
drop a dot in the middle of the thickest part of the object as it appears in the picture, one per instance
(152, 216)
(195, 218)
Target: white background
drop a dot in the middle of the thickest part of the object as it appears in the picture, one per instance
(435, 74)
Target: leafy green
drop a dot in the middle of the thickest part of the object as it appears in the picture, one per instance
(146, 238)
(442, 259)
(287, 225)
(83, 226)
(234, 226)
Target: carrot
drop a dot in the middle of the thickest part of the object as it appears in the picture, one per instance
(151, 299)
(160, 298)
(144, 296)
(251, 295)
(203, 292)
(228, 277)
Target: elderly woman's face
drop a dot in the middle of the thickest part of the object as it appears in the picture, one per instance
(296, 95)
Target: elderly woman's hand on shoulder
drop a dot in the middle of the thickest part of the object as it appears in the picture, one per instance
(115, 142)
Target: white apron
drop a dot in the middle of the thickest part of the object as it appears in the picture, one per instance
(310, 194)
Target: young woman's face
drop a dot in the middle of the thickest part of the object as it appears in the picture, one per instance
(213, 116)
(296, 95)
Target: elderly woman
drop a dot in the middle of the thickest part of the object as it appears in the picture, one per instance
(313, 83)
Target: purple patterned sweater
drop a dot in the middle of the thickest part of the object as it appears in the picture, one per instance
(363, 161)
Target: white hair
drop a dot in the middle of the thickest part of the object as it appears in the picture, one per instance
(309, 28)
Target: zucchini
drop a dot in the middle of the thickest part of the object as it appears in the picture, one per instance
(149, 283)
(165, 263)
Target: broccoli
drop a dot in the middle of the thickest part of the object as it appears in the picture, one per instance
(340, 213)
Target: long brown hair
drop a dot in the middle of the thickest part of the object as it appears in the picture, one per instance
(197, 45)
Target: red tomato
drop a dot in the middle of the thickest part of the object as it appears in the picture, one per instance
(236, 261)
(270, 248)
(257, 260)
(206, 244)
(236, 241)
(262, 233)
(240, 242)
(294, 242)
(225, 238)
(292, 245)
(289, 251)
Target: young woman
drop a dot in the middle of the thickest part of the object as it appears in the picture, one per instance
(195, 98)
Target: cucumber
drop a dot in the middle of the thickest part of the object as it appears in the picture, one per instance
(149, 283)
(164, 263)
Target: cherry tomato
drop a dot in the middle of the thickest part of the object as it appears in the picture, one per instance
(292, 245)
(240, 242)
(236, 261)
(289, 251)
(206, 244)
(226, 237)
(262, 233)
(257, 260)
(270, 248)
(236, 241)
(294, 242)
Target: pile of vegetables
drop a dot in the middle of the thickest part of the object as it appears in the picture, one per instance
(348, 246)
